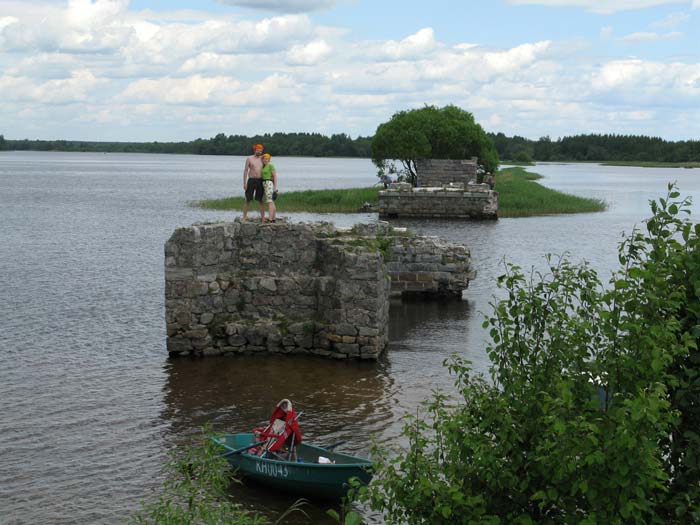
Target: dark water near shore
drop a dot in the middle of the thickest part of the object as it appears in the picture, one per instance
(90, 402)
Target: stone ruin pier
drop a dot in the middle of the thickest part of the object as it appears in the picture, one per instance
(447, 189)
(309, 288)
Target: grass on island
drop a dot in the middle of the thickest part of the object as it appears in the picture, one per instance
(517, 162)
(519, 196)
(348, 200)
(652, 164)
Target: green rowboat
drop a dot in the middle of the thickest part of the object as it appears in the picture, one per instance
(306, 476)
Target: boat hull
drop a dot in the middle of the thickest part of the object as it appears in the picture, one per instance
(306, 477)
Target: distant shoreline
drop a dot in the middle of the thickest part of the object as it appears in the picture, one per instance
(614, 150)
(652, 164)
(637, 164)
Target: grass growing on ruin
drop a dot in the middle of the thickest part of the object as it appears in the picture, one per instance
(519, 196)
(314, 201)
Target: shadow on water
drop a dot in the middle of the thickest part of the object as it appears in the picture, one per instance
(410, 315)
(238, 393)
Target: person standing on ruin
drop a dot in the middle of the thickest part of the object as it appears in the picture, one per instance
(269, 178)
(252, 181)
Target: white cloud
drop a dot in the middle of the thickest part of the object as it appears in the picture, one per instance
(604, 6)
(184, 74)
(191, 90)
(638, 38)
(76, 88)
(671, 21)
(355, 101)
(7, 20)
(222, 90)
(516, 57)
(309, 54)
(90, 13)
(44, 65)
(81, 27)
(212, 63)
(415, 45)
(283, 6)
(647, 83)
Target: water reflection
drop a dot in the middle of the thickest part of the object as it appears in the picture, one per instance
(82, 316)
(238, 393)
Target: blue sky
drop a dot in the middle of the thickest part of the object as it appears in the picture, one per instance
(177, 70)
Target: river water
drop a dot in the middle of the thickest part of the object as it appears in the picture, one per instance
(91, 403)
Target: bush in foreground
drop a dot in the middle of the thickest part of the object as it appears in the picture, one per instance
(591, 412)
(194, 490)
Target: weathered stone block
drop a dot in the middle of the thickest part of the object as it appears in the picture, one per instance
(177, 345)
(236, 340)
(289, 288)
(200, 344)
(348, 349)
(304, 341)
(345, 329)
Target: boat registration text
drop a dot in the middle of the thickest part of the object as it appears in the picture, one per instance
(271, 469)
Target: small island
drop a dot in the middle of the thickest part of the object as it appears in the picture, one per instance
(519, 196)
(419, 139)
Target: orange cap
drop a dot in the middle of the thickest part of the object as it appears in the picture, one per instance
(258, 146)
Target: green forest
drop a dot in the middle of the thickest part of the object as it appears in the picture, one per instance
(596, 148)
(590, 147)
(285, 144)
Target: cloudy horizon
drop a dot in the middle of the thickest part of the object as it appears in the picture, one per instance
(114, 70)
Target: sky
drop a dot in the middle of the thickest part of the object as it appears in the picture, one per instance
(171, 70)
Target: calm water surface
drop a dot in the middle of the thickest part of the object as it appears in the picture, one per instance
(90, 402)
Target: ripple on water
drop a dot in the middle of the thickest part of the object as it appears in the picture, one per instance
(90, 402)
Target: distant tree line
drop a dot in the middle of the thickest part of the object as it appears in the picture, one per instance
(593, 147)
(590, 147)
(287, 144)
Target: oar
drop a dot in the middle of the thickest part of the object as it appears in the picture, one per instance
(242, 449)
(331, 447)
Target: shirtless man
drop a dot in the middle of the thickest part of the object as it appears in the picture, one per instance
(252, 181)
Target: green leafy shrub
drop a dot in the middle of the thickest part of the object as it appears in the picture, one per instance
(591, 412)
(195, 490)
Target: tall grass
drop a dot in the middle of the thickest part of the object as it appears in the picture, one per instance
(519, 196)
(316, 201)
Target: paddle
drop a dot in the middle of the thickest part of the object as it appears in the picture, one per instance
(331, 447)
(242, 449)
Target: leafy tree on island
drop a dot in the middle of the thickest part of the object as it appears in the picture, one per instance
(430, 132)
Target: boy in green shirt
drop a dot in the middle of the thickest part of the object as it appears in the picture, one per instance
(269, 180)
